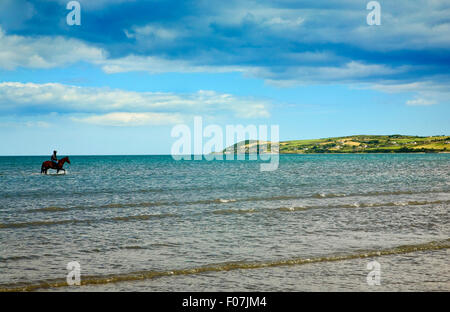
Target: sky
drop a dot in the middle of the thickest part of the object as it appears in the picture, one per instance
(132, 70)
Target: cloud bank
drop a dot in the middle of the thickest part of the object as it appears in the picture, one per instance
(284, 42)
(275, 40)
(106, 106)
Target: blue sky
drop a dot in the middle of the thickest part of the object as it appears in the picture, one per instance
(132, 70)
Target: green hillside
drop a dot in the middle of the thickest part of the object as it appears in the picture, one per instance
(354, 144)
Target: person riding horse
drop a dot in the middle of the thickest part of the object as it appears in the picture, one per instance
(54, 164)
(54, 159)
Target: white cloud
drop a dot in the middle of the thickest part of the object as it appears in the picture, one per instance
(131, 119)
(48, 52)
(44, 52)
(294, 75)
(22, 122)
(129, 107)
(278, 21)
(154, 31)
(420, 102)
(39, 124)
(317, 67)
(350, 72)
(157, 65)
(425, 93)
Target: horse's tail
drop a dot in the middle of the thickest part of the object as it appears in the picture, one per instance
(42, 168)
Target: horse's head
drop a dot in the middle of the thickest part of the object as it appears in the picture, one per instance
(65, 159)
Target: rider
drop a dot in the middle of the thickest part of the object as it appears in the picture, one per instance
(54, 159)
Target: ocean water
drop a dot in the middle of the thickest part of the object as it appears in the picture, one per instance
(150, 223)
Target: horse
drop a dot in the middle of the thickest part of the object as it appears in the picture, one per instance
(50, 165)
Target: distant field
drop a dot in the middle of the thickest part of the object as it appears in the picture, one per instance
(353, 144)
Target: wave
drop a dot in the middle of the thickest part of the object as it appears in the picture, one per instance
(106, 206)
(40, 193)
(367, 205)
(231, 211)
(136, 247)
(47, 209)
(318, 195)
(219, 211)
(87, 221)
(225, 201)
(220, 200)
(353, 205)
(224, 267)
(37, 223)
(143, 217)
(328, 195)
(133, 247)
(18, 258)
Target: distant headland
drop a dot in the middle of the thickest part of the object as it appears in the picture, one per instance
(350, 144)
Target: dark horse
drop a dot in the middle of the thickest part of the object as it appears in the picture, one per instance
(50, 165)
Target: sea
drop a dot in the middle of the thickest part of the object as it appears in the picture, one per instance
(322, 222)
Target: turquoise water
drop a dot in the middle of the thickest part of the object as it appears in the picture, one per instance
(156, 224)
